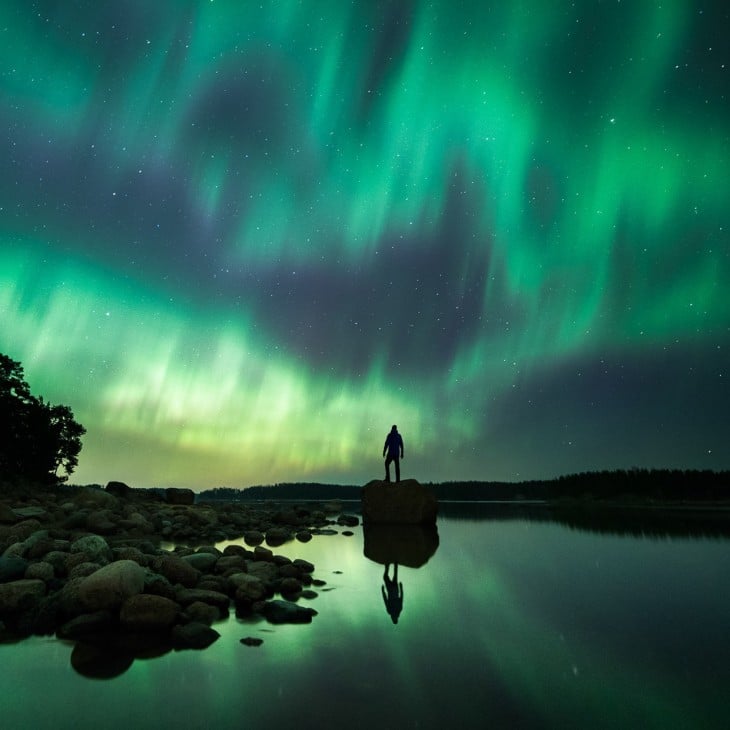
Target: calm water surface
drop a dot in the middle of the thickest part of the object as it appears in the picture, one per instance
(510, 623)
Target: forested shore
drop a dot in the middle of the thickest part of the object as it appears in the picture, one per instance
(626, 486)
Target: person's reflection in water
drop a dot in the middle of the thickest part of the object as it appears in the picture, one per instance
(392, 593)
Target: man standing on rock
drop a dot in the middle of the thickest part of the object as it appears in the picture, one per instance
(394, 446)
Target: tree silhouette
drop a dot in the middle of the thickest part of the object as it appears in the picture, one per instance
(36, 438)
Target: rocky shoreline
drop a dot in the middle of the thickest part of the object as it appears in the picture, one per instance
(135, 568)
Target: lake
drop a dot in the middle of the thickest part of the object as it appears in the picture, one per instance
(513, 622)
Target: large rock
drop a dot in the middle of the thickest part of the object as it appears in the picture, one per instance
(173, 495)
(186, 596)
(148, 613)
(12, 567)
(111, 585)
(20, 595)
(40, 571)
(119, 489)
(85, 625)
(263, 570)
(101, 521)
(248, 587)
(406, 502)
(94, 547)
(176, 570)
(201, 561)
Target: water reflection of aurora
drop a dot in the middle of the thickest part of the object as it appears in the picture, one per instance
(241, 242)
(519, 621)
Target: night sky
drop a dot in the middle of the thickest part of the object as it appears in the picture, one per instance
(242, 239)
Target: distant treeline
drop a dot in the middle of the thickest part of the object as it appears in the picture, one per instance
(287, 490)
(625, 485)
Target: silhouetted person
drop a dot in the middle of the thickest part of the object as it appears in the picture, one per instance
(392, 593)
(394, 446)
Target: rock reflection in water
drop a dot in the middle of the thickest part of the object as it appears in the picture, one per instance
(105, 656)
(408, 545)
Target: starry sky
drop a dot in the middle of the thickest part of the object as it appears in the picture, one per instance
(242, 239)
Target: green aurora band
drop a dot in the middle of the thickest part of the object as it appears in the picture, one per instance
(242, 239)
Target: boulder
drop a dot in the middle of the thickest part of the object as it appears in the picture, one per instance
(253, 537)
(40, 571)
(69, 601)
(176, 570)
(95, 498)
(12, 567)
(118, 489)
(276, 536)
(111, 585)
(201, 612)
(94, 547)
(186, 596)
(23, 530)
(87, 624)
(230, 562)
(174, 495)
(290, 586)
(406, 502)
(286, 612)
(20, 595)
(131, 553)
(248, 587)
(263, 570)
(148, 612)
(101, 521)
(158, 585)
(201, 561)
(82, 570)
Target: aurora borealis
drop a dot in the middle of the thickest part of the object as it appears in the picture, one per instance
(242, 239)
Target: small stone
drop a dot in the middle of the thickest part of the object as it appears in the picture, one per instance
(286, 612)
(252, 641)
